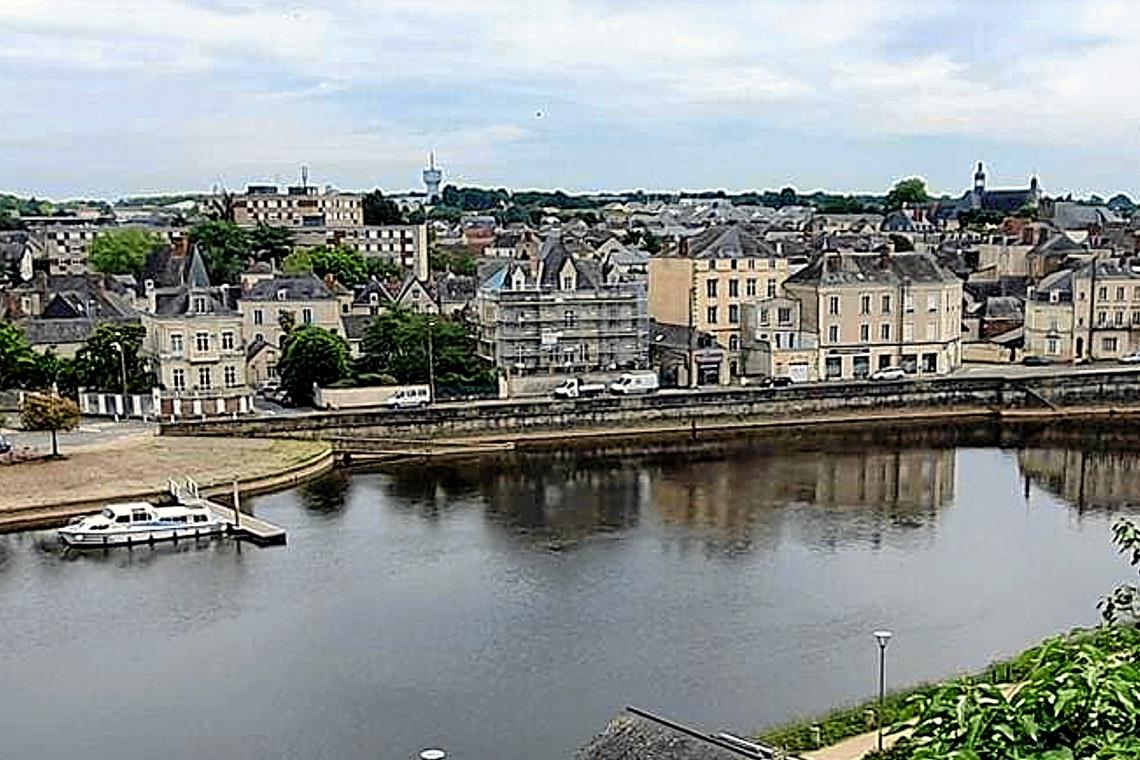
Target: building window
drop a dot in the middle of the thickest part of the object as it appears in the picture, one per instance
(1136, 317)
(864, 333)
(784, 315)
(1102, 293)
(712, 315)
(885, 331)
(205, 382)
(1136, 293)
(231, 377)
(307, 315)
(733, 343)
(732, 264)
(1052, 346)
(930, 363)
(176, 343)
(752, 263)
(931, 330)
(833, 333)
(1102, 317)
(258, 317)
(710, 288)
(227, 341)
(1118, 318)
(1120, 294)
(932, 302)
(908, 303)
(764, 318)
(771, 288)
(833, 305)
(199, 305)
(568, 282)
(908, 332)
(865, 304)
(202, 341)
(886, 305)
(750, 287)
(1108, 344)
(733, 287)
(569, 319)
(733, 314)
(179, 377)
(833, 367)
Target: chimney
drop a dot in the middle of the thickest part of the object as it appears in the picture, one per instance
(779, 247)
(151, 296)
(683, 248)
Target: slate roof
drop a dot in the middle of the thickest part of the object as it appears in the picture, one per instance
(835, 269)
(730, 241)
(455, 288)
(1059, 244)
(630, 736)
(355, 325)
(1068, 215)
(51, 332)
(180, 303)
(1060, 281)
(363, 293)
(1004, 308)
(554, 256)
(258, 345)
(301, 288)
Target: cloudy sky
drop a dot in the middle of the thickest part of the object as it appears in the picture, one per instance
(112, 97)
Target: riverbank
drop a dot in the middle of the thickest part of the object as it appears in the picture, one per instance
(46, 493)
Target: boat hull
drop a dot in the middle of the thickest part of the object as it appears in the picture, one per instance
(88, 539)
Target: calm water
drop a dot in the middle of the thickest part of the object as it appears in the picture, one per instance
(508, 613)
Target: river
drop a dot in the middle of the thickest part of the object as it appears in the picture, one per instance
(507, 611)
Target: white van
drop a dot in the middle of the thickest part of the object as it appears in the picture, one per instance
(409, 396)
(635, 382)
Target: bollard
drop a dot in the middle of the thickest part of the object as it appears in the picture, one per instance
(817, 736)
(869, 718)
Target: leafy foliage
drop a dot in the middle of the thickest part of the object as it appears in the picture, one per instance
(396, 344)
(269, 243)
(42, 411)
(345, 264)
(225, 250)
(1123, 604)
(98, 365)
(17, 360)
(454, 259)
(123, 250)
(909, 191)
(381, 210)
(311, 355)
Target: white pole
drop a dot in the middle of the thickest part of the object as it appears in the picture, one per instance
(237, 506)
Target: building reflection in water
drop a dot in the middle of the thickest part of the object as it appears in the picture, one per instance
(741, 499)
(838, 499)
(1096, 480)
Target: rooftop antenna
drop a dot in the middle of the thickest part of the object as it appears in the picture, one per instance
(304, 175)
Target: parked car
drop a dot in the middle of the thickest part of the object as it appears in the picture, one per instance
(889, 374)
(409, 397)
(632, 383)
(776, 381)
(1035, 361)
(1131, 358)
(5, 445)
(576, 387)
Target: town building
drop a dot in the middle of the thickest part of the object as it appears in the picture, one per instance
(405, 245)
(298, 206)
(59, 313)
(194, 344)
(556, 314)
(708, 280)
(979, 198)
(774, 343)
(870, 311)
(1088, 313)
(302, 301)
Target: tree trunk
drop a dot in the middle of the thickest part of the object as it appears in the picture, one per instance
(54, 445)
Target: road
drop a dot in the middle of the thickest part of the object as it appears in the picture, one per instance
(91, 433)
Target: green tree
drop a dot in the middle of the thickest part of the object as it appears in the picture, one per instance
(909, 191)
(17, 360)
(225, 250)
(43, 411)
(454, 259)
(123, 250)
(381, 210)
(52, 372)
(345, 264)
(650, 243)
(1123, 604)
(311, 355)
(297, 262)
(99, 366)
(901, 243)
(269, 243)
(383, 269)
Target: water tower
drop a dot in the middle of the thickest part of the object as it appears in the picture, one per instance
(433, 177)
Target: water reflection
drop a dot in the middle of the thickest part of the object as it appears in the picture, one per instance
(325, 495)
(1099, 480)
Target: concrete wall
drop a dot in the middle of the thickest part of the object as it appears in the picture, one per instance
(739, 405)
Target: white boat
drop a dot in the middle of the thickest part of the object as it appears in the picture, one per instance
(141, 523)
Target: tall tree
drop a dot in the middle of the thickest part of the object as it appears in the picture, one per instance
(909, 191)
(44, 411)
(16, 357)
(269, 243)
(345, 264)
(396, 344)
(99, 366)
(311, 355)
(225, 250)
(381, 210)
(123, 250)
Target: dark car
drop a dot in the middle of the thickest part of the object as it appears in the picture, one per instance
(1035, 361)
(5, 445)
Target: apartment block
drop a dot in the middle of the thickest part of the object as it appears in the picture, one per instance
(298, 206)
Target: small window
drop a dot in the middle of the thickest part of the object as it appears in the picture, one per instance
(202, 341)
(710, 288)
(258, 317)
(733, 287)
(833, 333)
(712, 315)
(227, 341)
(886, 305)
(750, 287)
(833, 305)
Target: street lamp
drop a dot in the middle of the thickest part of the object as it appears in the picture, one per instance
(123, 367)
(883, 638)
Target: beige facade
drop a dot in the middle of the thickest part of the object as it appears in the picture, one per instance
(872, 311)
(298, 207)
(1049, 323)
(774, 344)
(1092, 313)
(304, 299)
(200, 363)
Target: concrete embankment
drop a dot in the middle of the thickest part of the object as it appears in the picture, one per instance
(676, 417)
(49, 493)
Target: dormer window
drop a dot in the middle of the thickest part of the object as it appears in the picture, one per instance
(374, 299)
(1054, 296)
(282, 293)
(199, 305)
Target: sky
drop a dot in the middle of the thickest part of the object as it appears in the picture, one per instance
(106, 98)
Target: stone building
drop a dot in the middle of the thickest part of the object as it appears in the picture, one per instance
(298, 206)
(870, 311)
(556, 314)
(306, 299)
(1088, 313)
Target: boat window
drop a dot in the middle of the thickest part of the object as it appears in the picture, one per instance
(123, 519)
(200, 518)
(140, 517)
(99, 527)
(111, 515)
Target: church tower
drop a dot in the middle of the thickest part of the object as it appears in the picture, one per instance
(979, 187)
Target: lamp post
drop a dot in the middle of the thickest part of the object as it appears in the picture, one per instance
(883, 638)
(123, 367)
(431, 362)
